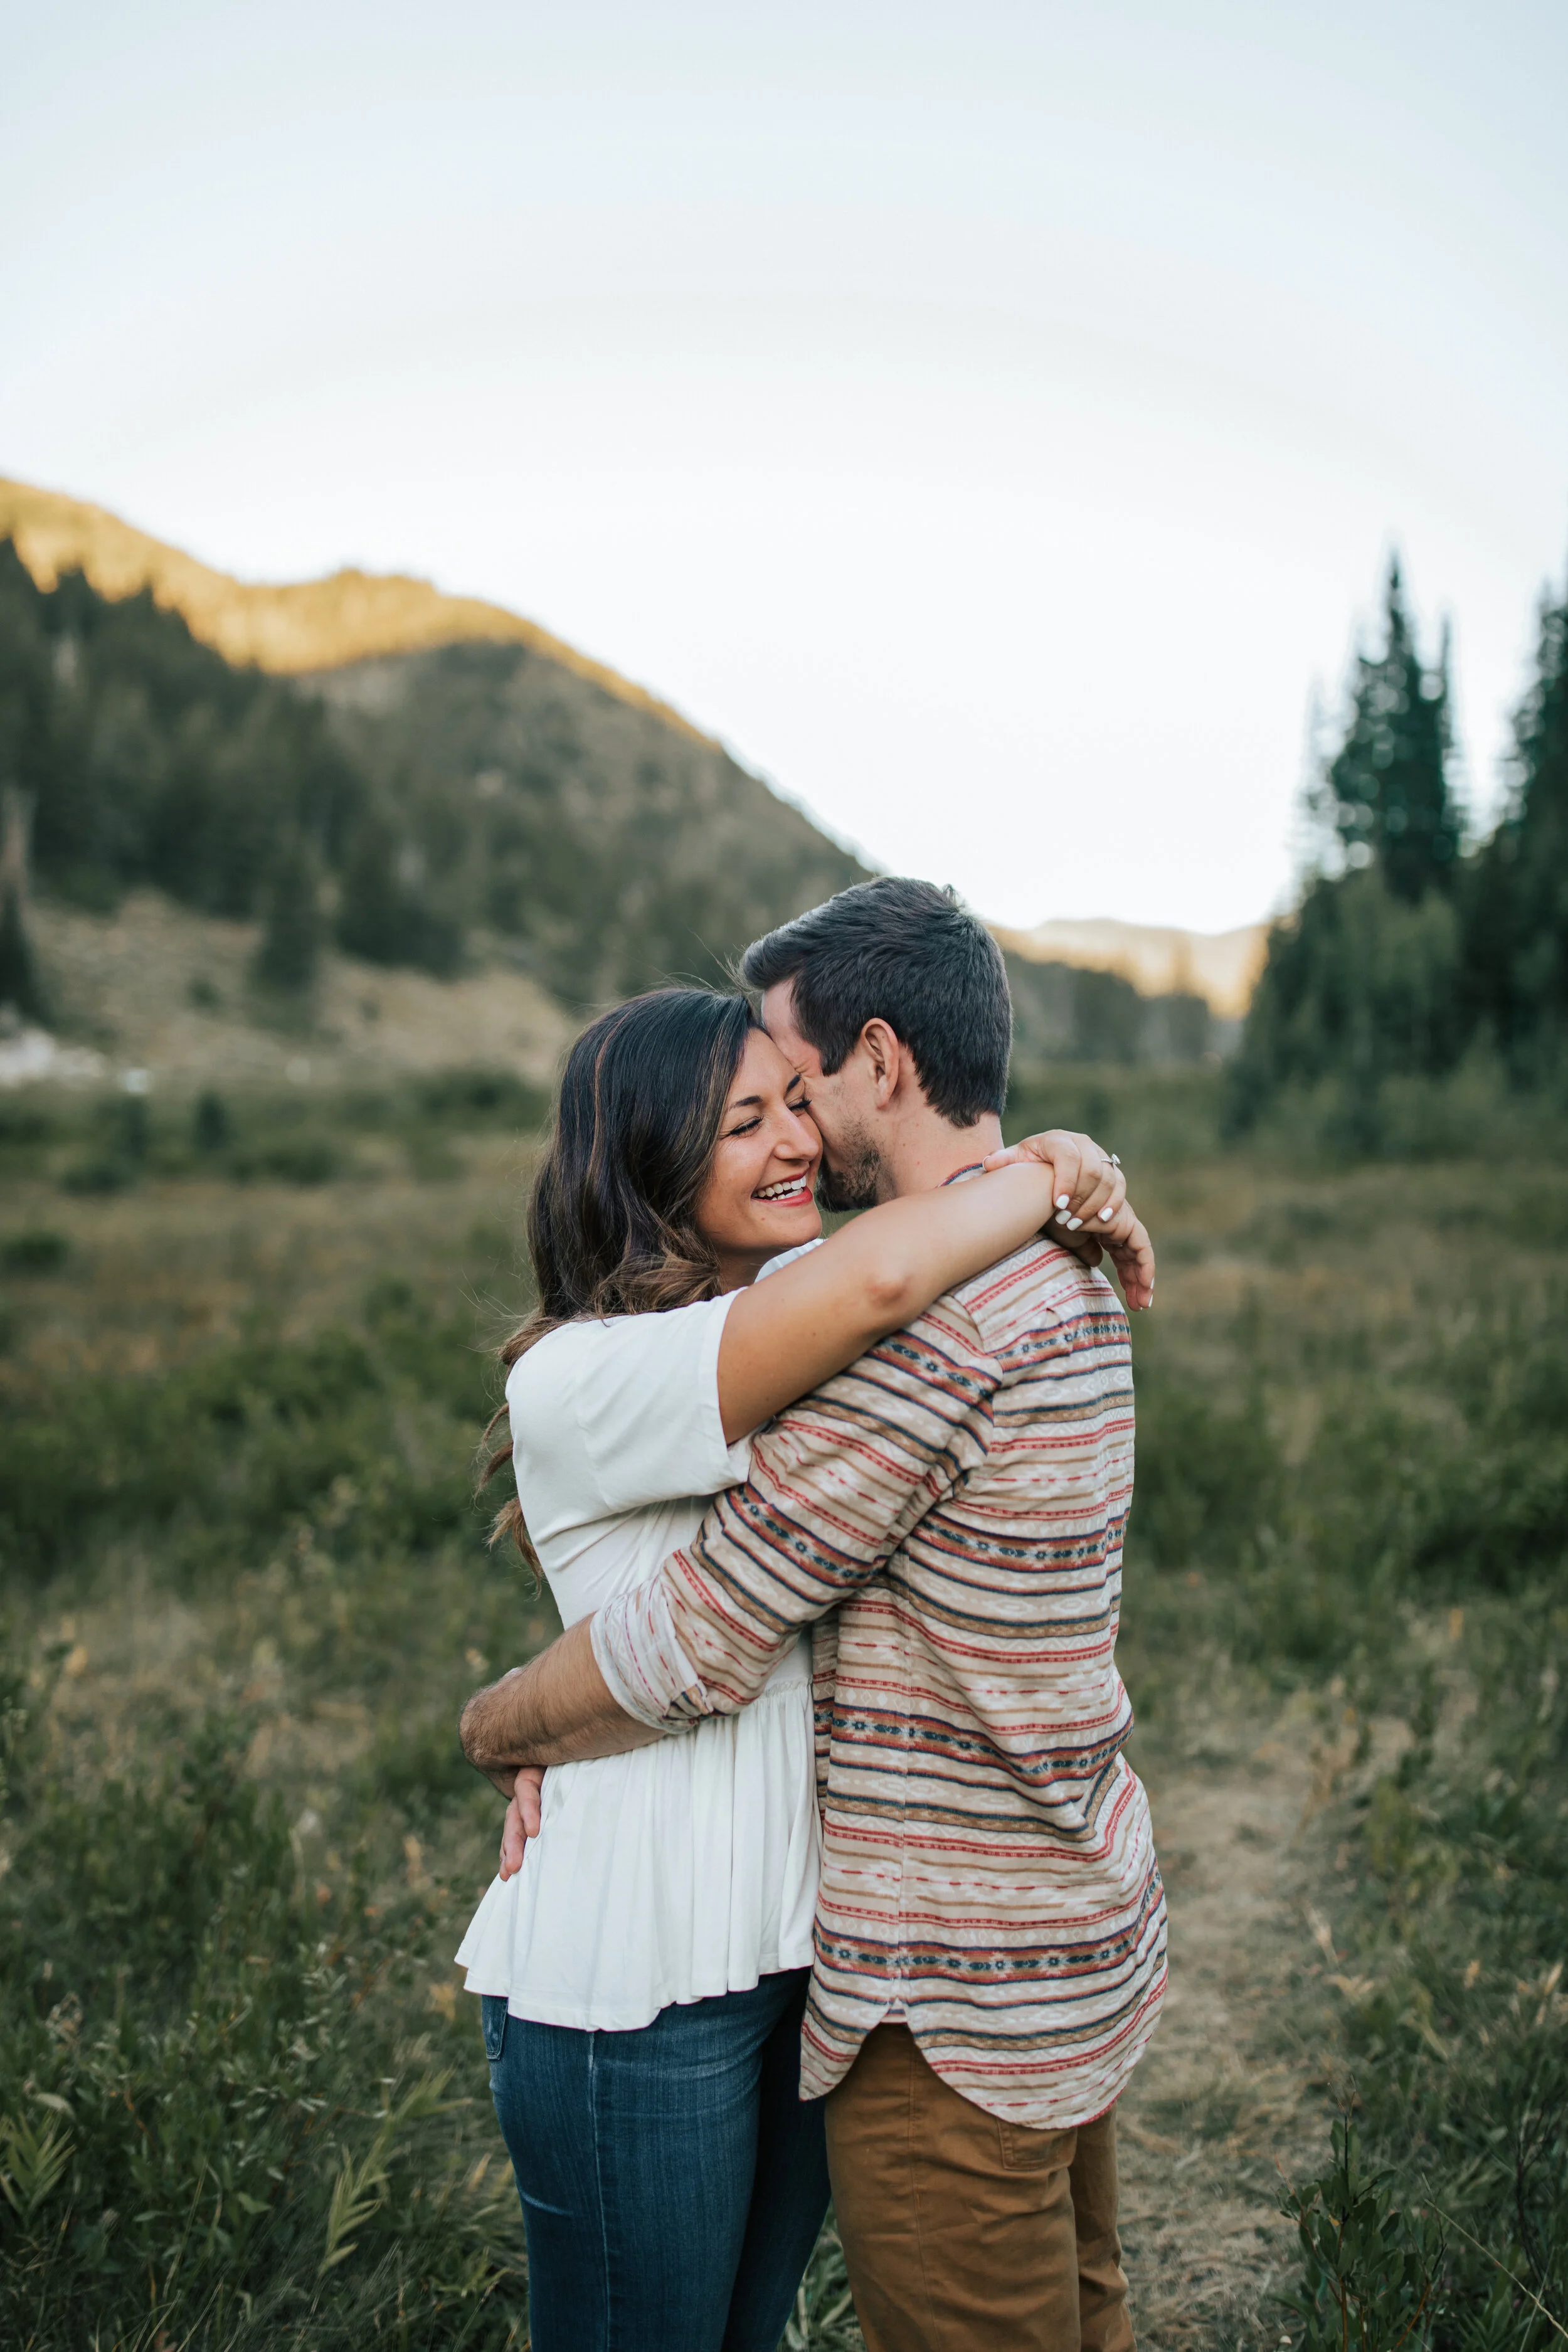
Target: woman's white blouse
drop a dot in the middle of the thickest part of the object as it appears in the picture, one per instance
(688, 1868)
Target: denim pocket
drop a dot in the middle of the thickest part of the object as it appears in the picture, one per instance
(492, 2014)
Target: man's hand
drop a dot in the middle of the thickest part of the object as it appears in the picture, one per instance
(522, 1818)
(1109, 1225)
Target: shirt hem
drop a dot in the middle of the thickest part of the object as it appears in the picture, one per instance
(541, 2011)
(826, 2067)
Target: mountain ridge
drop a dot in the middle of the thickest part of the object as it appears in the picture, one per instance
(477, 799)
(342, 636)
(1159, 960)
(289, 629)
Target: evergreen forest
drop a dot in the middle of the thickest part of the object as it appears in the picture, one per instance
(1415, 952)
(420, 810)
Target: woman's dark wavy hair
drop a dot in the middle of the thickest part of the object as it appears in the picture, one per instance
(612, 1220)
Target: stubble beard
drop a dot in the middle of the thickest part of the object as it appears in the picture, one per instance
(855, 1181)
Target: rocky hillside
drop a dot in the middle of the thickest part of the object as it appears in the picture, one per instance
(155, 988)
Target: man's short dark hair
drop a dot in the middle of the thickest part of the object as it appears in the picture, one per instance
(909, 954)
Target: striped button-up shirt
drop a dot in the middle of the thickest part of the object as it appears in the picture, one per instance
(948, 1514)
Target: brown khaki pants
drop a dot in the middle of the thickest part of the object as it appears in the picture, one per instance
(963, 2233)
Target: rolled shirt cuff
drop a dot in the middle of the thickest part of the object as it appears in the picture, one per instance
(649, 1675)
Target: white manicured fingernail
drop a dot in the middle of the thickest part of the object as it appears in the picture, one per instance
(1106, 1215)
(1073, 1224)
(1061, 1217)
(1061, 1200)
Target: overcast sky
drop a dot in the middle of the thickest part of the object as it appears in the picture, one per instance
(990, 419)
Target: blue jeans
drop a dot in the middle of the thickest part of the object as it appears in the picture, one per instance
(673, 2181)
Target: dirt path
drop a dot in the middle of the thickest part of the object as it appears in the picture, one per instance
(1225, 2090)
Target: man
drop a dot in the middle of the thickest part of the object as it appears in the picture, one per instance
(990, 1948)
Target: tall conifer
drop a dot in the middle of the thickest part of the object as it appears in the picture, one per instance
(1385, 792)
(21, 988)
(1517, 930)
(292, 928)
(1364, 981)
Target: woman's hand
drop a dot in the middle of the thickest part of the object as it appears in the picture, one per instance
(522, 1818)
(1094, 1217)
(1129, 1248)
(1091, 1187)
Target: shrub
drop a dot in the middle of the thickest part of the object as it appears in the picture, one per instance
(288, 1159)
(216, 2126)
(212, 1126)
(1372, 2274)
(222, 1458)
(1209, 1477)
(37, 1251)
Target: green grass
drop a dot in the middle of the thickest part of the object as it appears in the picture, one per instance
(224, 2121)
(100, 1144)
(1453, 1931)
(240, 2099)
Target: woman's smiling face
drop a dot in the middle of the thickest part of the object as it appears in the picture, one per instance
(757, 1197)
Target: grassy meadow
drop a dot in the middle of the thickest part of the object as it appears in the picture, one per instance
(243, 1371)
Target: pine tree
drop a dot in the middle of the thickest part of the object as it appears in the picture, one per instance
(385, 915)
(1386, 793)
(372, 914)
(212, 1126)
(291, 948)
(1365, 983)
(1517, 927)
(1358, 988)
(21, 988)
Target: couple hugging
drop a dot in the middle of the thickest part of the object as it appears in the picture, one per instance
(837, 1877)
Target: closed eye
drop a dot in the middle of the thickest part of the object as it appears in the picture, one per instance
(798, 1104)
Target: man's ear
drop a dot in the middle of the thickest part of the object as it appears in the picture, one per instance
(885, 1060)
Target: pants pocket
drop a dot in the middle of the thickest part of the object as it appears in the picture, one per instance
(493, 2015)
(1024, 2149)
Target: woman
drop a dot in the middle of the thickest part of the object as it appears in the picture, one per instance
(644, 1977)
